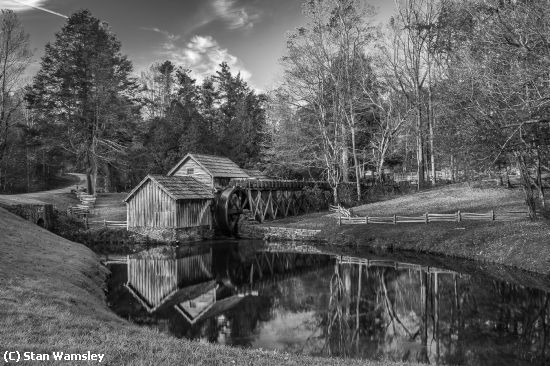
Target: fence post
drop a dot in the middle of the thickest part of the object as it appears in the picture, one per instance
(426, 217)
(493, 215)
(459, 216)
(394, 219)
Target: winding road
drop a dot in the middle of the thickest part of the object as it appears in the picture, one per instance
(55, 196)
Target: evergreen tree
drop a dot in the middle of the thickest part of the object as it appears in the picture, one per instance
(83, 89)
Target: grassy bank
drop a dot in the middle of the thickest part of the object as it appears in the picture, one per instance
(511, 240)
(51, 296)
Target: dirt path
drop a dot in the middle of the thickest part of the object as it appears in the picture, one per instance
(61, 197)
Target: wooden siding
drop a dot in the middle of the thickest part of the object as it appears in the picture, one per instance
(153, 280)
(199, 173)
(151, 207)
(194, 213)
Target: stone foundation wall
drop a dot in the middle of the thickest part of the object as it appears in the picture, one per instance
(280, 233)
(39, 214)
(173, 235)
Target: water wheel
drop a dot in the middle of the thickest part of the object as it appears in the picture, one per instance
(229, 209)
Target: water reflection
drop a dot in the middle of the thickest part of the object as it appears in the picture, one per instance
(306, 301)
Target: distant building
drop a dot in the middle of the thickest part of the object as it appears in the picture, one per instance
(213, 171)
(256, 174)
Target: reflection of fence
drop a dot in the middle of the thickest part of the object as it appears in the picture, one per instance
(391, 264)
(424, 219)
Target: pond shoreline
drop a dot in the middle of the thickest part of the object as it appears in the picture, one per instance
(515, 242)
(52, 294)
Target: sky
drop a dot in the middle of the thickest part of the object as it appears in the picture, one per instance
(250, 35)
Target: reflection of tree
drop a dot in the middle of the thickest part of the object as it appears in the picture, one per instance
(389, 307)
(337, 329)
(356, 309)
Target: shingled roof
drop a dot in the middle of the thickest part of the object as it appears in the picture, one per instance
(177, 187)
(217, 166)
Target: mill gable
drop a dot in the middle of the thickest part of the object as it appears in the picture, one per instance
(213, 171)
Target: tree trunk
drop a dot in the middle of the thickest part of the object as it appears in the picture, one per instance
(527, 186)
(345, 156)
(453, 177)
(108, 178)
(540, 186)
(419, 141)
(356, 163)
(91, 173)
(431, 121)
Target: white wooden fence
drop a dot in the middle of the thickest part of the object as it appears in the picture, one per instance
(424, 219)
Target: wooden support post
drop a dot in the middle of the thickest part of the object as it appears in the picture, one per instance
(493, 215)
(104, 222)
(426, 217)
(394, 219)
(459, 216)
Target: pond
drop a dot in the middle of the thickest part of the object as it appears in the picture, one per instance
(322, 302)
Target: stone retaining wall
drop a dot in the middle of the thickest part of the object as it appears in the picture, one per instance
(280, 233)
(40, 214)
(173, 235)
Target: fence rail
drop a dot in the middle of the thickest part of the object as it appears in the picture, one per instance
(424, 219)
(340, 210)
(108, 223)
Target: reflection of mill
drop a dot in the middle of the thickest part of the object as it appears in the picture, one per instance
(198, 287)
(349, 306)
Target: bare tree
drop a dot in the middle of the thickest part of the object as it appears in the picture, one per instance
(14, 58)
(407, 53)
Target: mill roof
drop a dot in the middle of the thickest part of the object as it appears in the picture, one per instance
(217, 166)
(177, 187)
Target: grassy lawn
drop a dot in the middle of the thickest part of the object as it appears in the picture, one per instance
(109, 206)
(52, 299)
(510, 240)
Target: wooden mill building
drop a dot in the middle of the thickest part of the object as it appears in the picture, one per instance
(213, 171)
(169, 202)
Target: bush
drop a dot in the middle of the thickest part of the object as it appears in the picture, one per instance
(317, 197)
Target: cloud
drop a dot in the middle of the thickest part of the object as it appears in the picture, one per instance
(22, 5)
(202, 54)
(170, 41)
(236, 17)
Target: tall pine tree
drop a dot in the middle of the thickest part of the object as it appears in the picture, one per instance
(83, 91)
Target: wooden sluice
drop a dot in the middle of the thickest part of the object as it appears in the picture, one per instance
(272, 199)
(152, 281)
